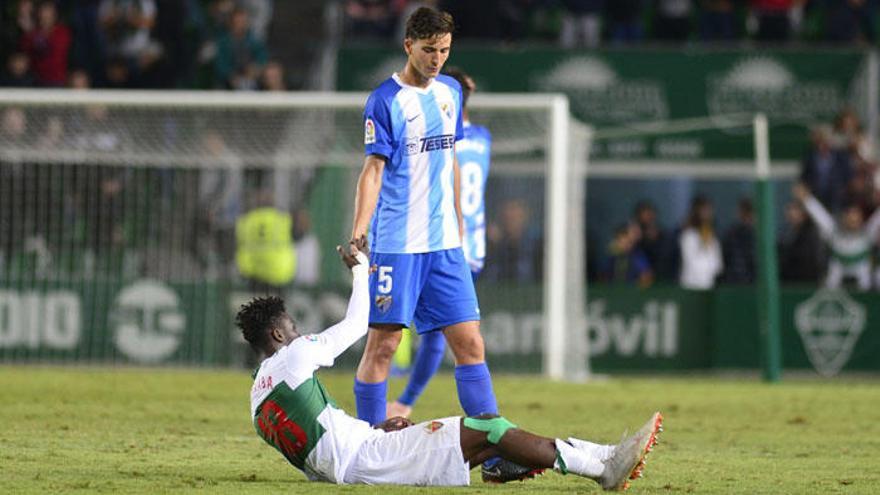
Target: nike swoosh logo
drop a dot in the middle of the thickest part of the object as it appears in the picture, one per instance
(493, 472)
(414, 118)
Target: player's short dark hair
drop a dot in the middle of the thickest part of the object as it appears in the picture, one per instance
(426, 23)
(460, 76)
(257, 317)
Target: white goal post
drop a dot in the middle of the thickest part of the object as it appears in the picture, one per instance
(534, 137)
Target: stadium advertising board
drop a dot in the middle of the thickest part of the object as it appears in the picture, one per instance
(151, 322)
(611, 88)
(142, 322)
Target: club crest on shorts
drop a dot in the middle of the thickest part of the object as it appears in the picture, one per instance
(383, 303)
(433, 426)
(369, 132)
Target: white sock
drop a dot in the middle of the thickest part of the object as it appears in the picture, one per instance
(572, 460)
(603, 452)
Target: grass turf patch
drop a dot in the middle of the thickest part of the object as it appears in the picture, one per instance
(126, 430)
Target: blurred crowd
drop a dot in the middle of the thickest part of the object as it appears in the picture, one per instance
(65, 215)
(123, 44)
(829, 234)
(589, 23)
(224, 43)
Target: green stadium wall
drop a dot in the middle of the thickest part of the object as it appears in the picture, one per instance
(148, 322)
(618, 87)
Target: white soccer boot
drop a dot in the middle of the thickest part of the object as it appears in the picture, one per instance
(603, 452)
(628, 459)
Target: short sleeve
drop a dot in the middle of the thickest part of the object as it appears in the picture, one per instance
(378, 136)
(459, 123)
(309, 352)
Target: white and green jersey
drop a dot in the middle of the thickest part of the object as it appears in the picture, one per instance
(847, 248)
(290, 408)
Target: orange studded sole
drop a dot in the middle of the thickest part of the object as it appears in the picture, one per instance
(649, 446)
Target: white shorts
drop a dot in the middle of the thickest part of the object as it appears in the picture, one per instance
(425, 454)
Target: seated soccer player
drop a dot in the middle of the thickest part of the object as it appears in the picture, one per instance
(292, 412)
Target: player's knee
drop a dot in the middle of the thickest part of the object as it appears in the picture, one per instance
(383, 350)
(468, 349)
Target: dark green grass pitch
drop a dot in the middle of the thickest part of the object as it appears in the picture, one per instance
(76, 430)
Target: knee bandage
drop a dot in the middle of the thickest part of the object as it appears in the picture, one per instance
(494, 427)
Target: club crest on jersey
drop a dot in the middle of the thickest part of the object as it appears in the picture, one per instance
(416, 144)
(433, 426)
(383, 303)
(369, 132)
(446, 108)
(412, 146)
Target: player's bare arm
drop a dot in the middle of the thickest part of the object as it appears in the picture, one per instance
(368, 187)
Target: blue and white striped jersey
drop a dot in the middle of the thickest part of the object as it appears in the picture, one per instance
(415, 129)
(473, 157)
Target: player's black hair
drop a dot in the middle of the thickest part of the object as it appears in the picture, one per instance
(426, 23)
(257, 317)
(461, 77)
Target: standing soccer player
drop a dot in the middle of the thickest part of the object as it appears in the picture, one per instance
(473, 153)
(408, 198)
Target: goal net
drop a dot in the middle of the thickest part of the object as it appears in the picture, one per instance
(118, 213)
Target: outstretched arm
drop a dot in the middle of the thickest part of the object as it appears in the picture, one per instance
(820, 215)
(816, 211)
(354, 326)
(873, 225)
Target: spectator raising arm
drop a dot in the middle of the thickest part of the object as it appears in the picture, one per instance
(817, 212)
(872, 228)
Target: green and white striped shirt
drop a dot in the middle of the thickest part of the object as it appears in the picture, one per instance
(293, 412)
(847, 247)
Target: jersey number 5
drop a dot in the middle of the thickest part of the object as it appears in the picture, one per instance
(385, 281)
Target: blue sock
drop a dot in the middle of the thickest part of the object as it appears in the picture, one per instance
(428, 358)
(475, 392)
(370, 399)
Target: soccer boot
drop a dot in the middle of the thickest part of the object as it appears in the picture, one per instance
(502, 471)
(628, 460)
(597, 450)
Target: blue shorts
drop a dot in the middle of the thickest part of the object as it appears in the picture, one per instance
(430, 290)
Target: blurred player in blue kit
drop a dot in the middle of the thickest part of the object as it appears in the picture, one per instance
(409, 200)
(473, 154)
